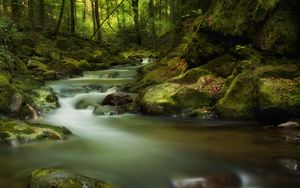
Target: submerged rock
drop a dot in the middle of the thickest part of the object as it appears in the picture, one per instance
(117, 99)
(12, 132)
(61, 178)
(290, 164)
(289, 125)
(212, 181)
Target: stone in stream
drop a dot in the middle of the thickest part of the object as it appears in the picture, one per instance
(289, 125)
(13, 132)
(117, 99)
(212, 181)
(290, 164)
(61, 178)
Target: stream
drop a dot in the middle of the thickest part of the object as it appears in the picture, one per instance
(137, 151)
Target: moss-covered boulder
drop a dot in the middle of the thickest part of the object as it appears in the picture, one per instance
(13, 132)
(280, 93)
(181, 99)
(69, 66)
(191, 76)
(157, 99)
(61, 178)
(190, 97)
(37, 66)
(160, 72)
(43, 99)
(239, 99)
(6, 93)
(222, 66)
(271, 27)
(279, 34)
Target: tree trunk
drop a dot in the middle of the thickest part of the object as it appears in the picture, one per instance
(93, 16)
(31, 12)
(15, 12)
(123, 17)
(97, 19)
(84, 11)
(172, 11)
(135, 8)
(61, 15)
(73, 17)
(41, 13)
(152, 23)
(4, 6)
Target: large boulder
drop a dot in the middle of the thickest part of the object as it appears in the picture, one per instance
(160, 72)
(6, 93)
(271, 27)
(157, 99)
(238, 101)
(280, 93)
(69, 66)
(61, 178)
(13, 132)
(117, 99)
(181, 99)
(245, 95)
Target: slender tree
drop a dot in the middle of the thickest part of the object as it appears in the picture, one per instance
(61, 15)
(135, 9)
(73, 17)
(152, 23)
(97, 20)
(31, 12)
(41, 13)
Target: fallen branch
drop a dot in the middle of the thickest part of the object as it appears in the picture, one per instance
(98, 29)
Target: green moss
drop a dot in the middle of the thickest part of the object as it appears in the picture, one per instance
(191, 76)
(6, 93)
(18, 131)
(280, 93)
(239, 99)
(158, 99)
(279, 34)
(61, 178)
(168, 68)
(222, 66)
(191, 97)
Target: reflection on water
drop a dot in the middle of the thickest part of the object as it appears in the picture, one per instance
(145, 152)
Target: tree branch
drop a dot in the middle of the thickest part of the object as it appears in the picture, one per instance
(98, 29)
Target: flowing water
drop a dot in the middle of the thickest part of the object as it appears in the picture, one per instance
(137, 151)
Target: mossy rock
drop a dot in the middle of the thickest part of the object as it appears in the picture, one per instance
(168, 68)
(191, 97)
(211, 85)
(222, 66)
(157, 99)
(27, 50)
(43, 99)
(69, 66)
(280, 93)
(279, 34)
(37, 66)
(191, 76)
(239, 99)
(13, 132)
(199, 48)
(62, 178)
(6, 93)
